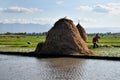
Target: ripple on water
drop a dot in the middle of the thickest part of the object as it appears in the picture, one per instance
(29, 68)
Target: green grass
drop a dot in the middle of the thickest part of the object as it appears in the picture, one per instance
(109, 45)
(106, 41)
(107, 51)
(17, 43)
(7, 48)
(21, 41)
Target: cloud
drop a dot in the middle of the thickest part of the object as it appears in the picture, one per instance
(28, 21)
(101, 9)
(110, 8)
(50, 21)
(85, 8)
(87, 20)
(114, 8)
(59, 2)
(16, 9)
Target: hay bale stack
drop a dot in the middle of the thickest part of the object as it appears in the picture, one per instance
(82, 32)
(63, 38)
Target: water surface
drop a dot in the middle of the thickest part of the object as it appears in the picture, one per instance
(31, 68)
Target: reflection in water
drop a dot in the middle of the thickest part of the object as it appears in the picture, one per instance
(64, 68)
(30, 68)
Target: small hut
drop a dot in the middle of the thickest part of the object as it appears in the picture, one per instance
(82, 32)
(63, 38)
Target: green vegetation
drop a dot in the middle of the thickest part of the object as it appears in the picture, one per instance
(109, 45)
(106, 41)
(19, 43)
(107, 51)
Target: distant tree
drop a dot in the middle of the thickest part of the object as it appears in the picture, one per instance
(8, 33)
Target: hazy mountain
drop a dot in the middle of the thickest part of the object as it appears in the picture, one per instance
(29, 28)
(102, 30)
(24, 28)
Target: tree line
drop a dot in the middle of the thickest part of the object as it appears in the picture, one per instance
(45, 33)
(25, 33)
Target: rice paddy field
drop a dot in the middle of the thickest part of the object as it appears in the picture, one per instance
(108, 45)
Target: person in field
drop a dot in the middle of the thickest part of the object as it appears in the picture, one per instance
(95, 41)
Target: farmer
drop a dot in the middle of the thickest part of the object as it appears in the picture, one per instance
(95, 40)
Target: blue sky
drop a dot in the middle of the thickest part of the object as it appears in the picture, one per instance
(103, 14)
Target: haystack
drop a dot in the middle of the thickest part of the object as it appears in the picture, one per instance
(82, 32)
(63, 38)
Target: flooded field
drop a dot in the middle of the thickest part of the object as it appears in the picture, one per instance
(31, 68)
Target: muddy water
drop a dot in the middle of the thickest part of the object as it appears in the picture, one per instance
(31, 68)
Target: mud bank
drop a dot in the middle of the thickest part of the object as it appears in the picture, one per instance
(32, 54)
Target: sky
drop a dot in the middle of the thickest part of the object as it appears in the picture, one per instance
(91, 14)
